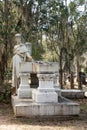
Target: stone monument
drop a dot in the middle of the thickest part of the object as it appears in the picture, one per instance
(44, 100)
(22, 53)
(45, 73)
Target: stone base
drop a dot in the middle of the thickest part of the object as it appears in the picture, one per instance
(26, 108)
(24, 93)
(44, 97)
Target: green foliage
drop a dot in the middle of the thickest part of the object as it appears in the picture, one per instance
(81, 2)
(37, 51)
(73, 7)
(64, 26)
(5, 92)
(83, 107)
(85, 70)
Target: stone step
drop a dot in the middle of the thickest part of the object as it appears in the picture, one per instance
(27, 108)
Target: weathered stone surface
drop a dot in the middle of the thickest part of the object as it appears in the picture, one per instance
(27, 108)
(46, 91)
(24, 93)
(43, 67)
(44, 100)
(44, 97)
(24, 90)
(26, 67)
(72, 93)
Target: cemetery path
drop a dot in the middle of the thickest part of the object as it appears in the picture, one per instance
(9, 122)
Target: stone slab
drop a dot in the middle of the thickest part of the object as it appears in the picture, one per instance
(26, 67)
(27, 108)
(44, 97)
(43, 67)
(73, 93)
(38, 67)
(24, 93)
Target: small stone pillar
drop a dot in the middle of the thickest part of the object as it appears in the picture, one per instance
(56, 84)
(55, 80)
(45, 92)
(24, 90)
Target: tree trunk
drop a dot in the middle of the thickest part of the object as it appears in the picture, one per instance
(72, 80)
(60, 71)
(6, 12)
(78, 75)
(2, 69)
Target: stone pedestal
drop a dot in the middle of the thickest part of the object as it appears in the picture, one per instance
(28, 108)
(45, 101)
(24, 90)
(45, 92)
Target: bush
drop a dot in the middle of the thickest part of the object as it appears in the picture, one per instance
(5, 92)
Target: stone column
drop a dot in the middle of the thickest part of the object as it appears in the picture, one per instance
(24, 90)
(56, 84)
(55, 80)
(45, 92)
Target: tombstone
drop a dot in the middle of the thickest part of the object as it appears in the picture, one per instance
(46, 98)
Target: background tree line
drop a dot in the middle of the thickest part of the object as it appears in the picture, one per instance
(57, 30)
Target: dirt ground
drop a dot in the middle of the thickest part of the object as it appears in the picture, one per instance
(9, 122)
